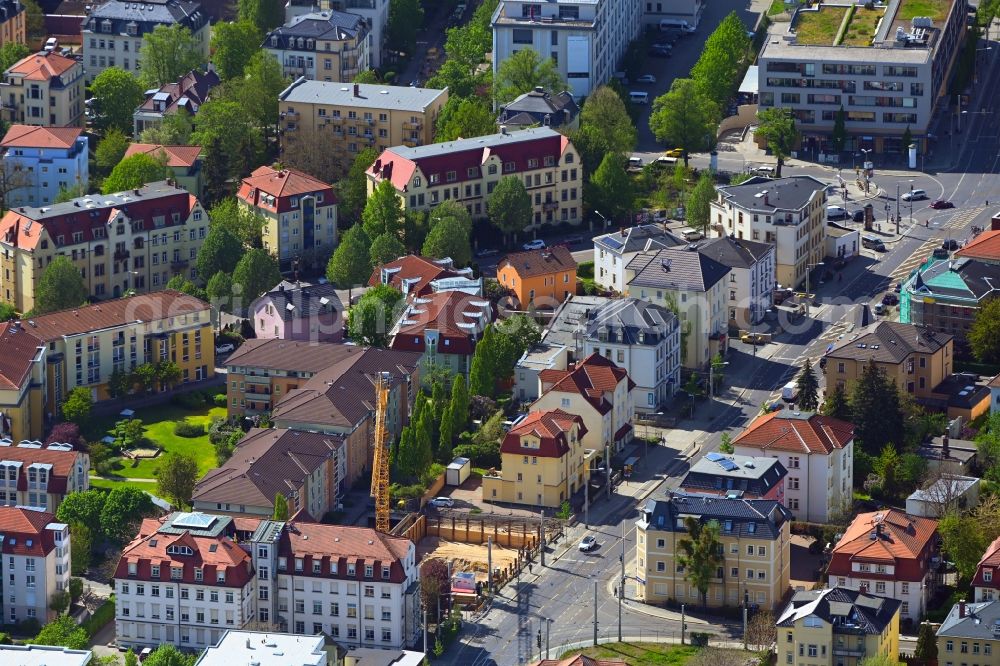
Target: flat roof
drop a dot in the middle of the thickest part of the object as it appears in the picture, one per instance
(43, 655)
(265, 649)
(370, 95)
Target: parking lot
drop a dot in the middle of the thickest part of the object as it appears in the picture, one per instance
(469, 497)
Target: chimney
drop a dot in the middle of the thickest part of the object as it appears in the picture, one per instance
(766, 202)
(357, 90)
(281, 287)
(945, 449)
(539, 89)
(503, 129)
(961, 609)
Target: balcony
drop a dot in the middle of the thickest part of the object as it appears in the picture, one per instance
(413, 126)
(289, 115)
(122, 255)
(178, 264)
(847, 652)
(257, 379)
(550, 205)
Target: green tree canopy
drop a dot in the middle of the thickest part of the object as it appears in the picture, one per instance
(280, 507)
(523, 72)
(452, 209)
(984, 336)
(605, 127)
(216, 170)
(240, 141)
(684, 117)
(610, 188)
(458, 406)
(964, 541)
(700, 554)
(242, 222)
(233, 44)
(186, 286)
(168, 53)
(383, 213)
(61, 286)
(699, 206)
(35, 19)
(385, 248)
(448, 238)
(353, 189)
(168, 655)
(777, 126)
(839, 134)
(464, 119)
(135, 171)
(368, 76)
(111, 150)
(373, 316)
(82, 538)
(257, 91)
(723, 59)
(837, 403)
(808, 386)
(926, 649)
(406, 17)
(11, 53)
(220, 252)
(124, 509)
(64, 632)
(82, 507)
(875, 410)
(509, 206)
(220, 291)
(256, 272)
(351, 263)
(116, 94)
(177, 478)
(174, 130)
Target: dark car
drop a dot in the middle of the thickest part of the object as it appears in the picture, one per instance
(898, 288)
(940, 253)
(890, 299)
(951, 245)
(858, 215)
(575, 239)
(487, 252)
(941, 204)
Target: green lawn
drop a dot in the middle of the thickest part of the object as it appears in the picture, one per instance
(862, 27)
(819, 27)
(935, 9)
(641, 654)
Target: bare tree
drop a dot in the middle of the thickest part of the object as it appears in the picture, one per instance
(313, 157)
(762, 632)
(944, 493)
(13, 176)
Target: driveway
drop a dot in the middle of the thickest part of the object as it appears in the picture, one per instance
(469, 496)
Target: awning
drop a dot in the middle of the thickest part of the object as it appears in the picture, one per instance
(624, 430)
(127, 413)
(751, 82)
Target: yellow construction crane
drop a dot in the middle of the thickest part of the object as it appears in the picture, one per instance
(380, 465)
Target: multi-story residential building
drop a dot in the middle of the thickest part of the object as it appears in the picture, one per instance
(889, 553)
(599, 392)
(788, 213)
(299, 311)
(817, 451)
(986, 581)
(443, 328)
(546, 355)
(300, 212)
(751, 276)
(184, 163)
(113, 32)
(49, 655)
(756, 540)
(746, 477)
(917, 359)
(36, 563)
(13, 23)
(374, 12)
(467, 170)
(132, 241)
(40, 478)
(23, 377)
(329, 46)
(970, 632)
(347, 118)
(183, 580)
(540, 107)
(306, 468)
(41, 161)
(43, 89)
(87, 344)
(692, 284)
(886, 72)
(266, 649)
(185, 95)
(543, 461)
(837, 626)
(539, 278)
(945, 295)
(416, 276)
(984, 247)
(585, 39)
(613, 252)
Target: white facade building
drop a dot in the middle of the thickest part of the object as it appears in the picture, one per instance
(43, 655)
(266, 649)
(614, 250)
(35, 564)
(750, 285)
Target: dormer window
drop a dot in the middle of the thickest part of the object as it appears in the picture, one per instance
(369, 571)
(133, 569)
(298, 564)
(351, 570)
(199, 574)
(317, 566)
(220, 576)
(274, 42)
(282, 564)
(155, 571)
(385, 572)
(179, 550)
(333, 566)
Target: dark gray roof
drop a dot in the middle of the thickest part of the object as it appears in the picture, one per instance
(9, 9)
(960, 278)
(637, 238)
(754, 475)
(535, 105)
(748, 518)
(306, 301)
(330, 25)
(627, 317)
(980, 620)
(784, 194)
(889, 342)
(676, 268)
(146, 15)
(734, 252)
(479, 143)
(849, 611)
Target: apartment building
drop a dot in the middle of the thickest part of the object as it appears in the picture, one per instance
(917, 359)
(587, 40)
(43, 89)
(817, 451)
(984, 247)
(358, 586)
(186, 95)
(693, 285)
(132, 241)
(39, 476)
(789, 213)
(299, 311)
(986, 581)
(540, 107)
(346, 118)
(613, 251)
(36, 563)
(183, 580)
(87, 344)
(467, 170)
(23, 377)
(13, 23)
(752, 272)
(416, 276)
(746, 477)
(539, 278)
(300, 212)
(183, 162)
(888, 71)
(113, 32)
(41, 161)
(970, 632)
(328, 46)
(837, 626)
(755, 537)
(306, 468)
(890, 553)
(559, 464)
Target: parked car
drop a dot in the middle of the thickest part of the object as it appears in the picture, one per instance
(940, 253)
(914, 195)
(941, 204)
(879, 309)
(225, 348)
(440, 502)
(487, 252)
(537, 244)
(836, 213)
(646, 78)
(858, 215)
(575, 239)
(655, 52)
(588, 543)
(674, 152)
(951, 245)
(890, 299)
(666, 46)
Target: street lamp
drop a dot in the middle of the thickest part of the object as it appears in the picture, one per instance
(711, 379)
(864, 166)
(911, 204)
(603, 218)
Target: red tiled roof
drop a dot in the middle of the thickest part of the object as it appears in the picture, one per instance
(594, 377)
(550, 426)
(42, 66)
(580, 660)
(902, 537)
(20, 525)
(210, 553)
(990, 560)
(421, 270)
(282, 185)
(458, 318)
(985, 246)
(27, 136)
(62, 465)
(539, 262)
(177, 156)
(316, 542)
(797, 432)
(19, 350)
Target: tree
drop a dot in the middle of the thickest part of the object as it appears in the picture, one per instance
(373, 316)
(167, 654)
(907, 138)
(406, 17)
(722, 60)
(984, 335)
(610, 188)
(219, 253)
(64, 632)
(174, 129)
(435, 582)
(464, 119)
(280, 507)
(838, 136)
(383, 213)
(216, 170)
(777, 126)
(131, 659)
(168, 53)
(700, 554)
(83, 542)
(186, 286)
(67, 433)
(458, 406)
(240, 140)
(423, 444)
(879, 659)
(837, 404)
(83, 508)
(699, 206)
(265, 15)
(78, 404)
(168, 373)
(684, 117)
(233, 44)
(177, 478)
(761, 631)
(926, 649)
(220, 291)
(111, 150)
(353, 188)
(135, 171)
(963, 540)
(34, 19)
(368, 76)
(245, 224)
(808, 387)
(60, 287)
(385, 248)
(116, 94)
(258, 90)
(351, 263)
(11, 53)
(605, 127)
(123, 509)
(524, 71)
(256, 272)
(75, 589)
(509, 206)
(7, 312)
(60, 601)
(448, 238)
(875, 410)
(145, 375)
(67, 194)
(128, 432)
(886, 466)
(482, 380)
(726, 443)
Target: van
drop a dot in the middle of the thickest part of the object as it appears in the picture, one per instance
(666, 160)
(51, 44)
(872, 243)
(836, 213)
(672, 24)
(790, 391)
(690, 235)
(638, 97)
(634, 163)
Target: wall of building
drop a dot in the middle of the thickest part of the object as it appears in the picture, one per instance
(920, 381)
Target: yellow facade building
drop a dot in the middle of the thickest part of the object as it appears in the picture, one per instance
(970, 635)
(44, 89)
(837, 627)
(22, 383)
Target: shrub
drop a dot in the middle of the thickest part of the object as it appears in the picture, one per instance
(5, 639)
(29, 627)
(192, 400)
(185, 429)
(585, 270)
(75, 588)
(105, 613)
(220, 400)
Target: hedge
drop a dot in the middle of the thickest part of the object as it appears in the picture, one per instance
(105, 613)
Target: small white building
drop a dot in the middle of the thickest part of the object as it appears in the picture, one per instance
(43, 655)
(613, 251)
(841, 242)
(35, 563)
(951, 491)
(543, 356)
(268, 649)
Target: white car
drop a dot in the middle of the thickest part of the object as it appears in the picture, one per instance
(225, 348)
(588, 543)
(914, 195)
(646, 78)
(442, 502)
(537, 244)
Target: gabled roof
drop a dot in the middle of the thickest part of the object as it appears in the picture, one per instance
(330, 25)
(28, 136)
(457, 317)
(539, 262)
(747, 518)
(594, 378)
(292, 302)
(60, 464)
(535, 105)
(735, 252)
(289, 355)
(629, 317)
(146, 15)
(20, 525)
(551, 427)
(797, 432)
(955, 279)
(42, 66)
(413, 274)
(20, 348)
(177, 156)
(638, 238)
(849, 611)
(189, 92)
(755, 475)
(676, 268)
(990, 560)
(985, 246)
(889, 342)
(316, 542)
(280, 183)
(979, 620)
(899, 536)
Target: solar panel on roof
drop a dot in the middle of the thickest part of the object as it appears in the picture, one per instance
(613, 243)
(728, 465)
(715, 457)
(200, 521)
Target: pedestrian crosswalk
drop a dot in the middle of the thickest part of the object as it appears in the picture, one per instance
(963, 218)
(919, 256)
